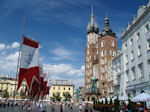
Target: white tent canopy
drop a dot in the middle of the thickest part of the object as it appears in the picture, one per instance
(123, 98)
(142, 97)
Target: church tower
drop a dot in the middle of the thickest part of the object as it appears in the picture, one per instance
(91, 58)
(92, 30)
(100, 50)
(107, 52)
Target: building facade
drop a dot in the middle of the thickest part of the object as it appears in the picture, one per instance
(81, 93)
(60, 87)
(10, 84)
(100, 49)
(136, 53)
(119, 80)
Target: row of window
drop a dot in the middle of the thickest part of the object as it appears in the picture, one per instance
(88, 58)
(103, 53)
(59, 88)
(147, 29)
(139, 52)
(64, 82)
(140, 71)
(102, 44)
(111, 52)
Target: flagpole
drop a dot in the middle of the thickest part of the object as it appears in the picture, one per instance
(18, 63)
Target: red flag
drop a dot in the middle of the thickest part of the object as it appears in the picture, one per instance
(35, 89)
(29, 62)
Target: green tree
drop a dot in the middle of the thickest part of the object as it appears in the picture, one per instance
(5, 94)
(106, 102)
(56, 97)
(110, 101)
(117, 104)
(22, 95)
(67, 96)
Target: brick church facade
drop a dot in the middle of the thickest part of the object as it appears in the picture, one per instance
(100, 50)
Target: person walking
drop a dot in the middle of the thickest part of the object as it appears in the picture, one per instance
(86, 108)
(61, 108)
(80, 108)
(71, 108)
(53, 108)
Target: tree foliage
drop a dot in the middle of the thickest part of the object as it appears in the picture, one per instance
(5, 94)
(67, 96)
(116, 104)
(22, 95)
(56, 97)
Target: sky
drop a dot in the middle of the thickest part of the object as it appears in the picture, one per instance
(60, 27)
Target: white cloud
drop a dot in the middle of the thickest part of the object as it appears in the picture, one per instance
(2, 46)
(63, 70)
(15, 45)
(8, 64)
(61, 53)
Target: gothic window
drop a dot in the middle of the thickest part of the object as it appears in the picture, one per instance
(88, 46)
(132, 55)
(139, 50)
(126, 58)
(88, 52)
(102, 53)
(96, 51)
(148, 67)
(113, 43)
(141, 70)
(147, 28)
(127, 74)
(138, 36)
(131, 40)
(96, 45)
(102, 43)
(133, 73)
(148, 44)
(113, 53)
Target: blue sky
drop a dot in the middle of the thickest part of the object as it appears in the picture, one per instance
(60, 27)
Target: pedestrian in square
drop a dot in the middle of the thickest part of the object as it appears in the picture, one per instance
(80, 108)
(71, 108)
(61, 108)
(86, 108)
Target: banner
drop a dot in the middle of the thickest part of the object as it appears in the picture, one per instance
(29, 62)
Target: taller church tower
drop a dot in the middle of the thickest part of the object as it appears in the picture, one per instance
(100, 50)
(91, 57)
(92, 30)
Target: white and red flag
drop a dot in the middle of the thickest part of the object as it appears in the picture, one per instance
(29, 62)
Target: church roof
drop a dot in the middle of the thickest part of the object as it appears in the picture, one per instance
(107, 30)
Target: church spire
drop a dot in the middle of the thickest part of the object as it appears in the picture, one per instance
(92, 26)
(92, 15)
(106, 21)
(107, 30)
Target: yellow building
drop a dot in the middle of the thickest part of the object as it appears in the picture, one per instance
(61, 87)
(8, 83)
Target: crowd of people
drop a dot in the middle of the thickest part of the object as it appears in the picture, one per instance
(44, 106)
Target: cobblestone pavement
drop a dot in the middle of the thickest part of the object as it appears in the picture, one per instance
(48, 109)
